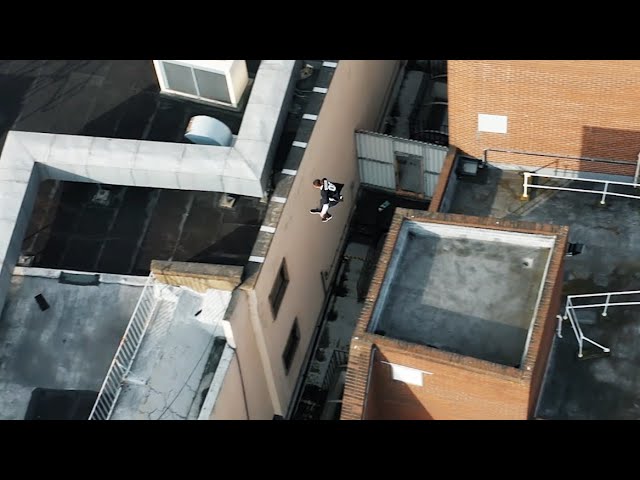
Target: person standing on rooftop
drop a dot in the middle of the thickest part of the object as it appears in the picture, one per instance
(329, 197)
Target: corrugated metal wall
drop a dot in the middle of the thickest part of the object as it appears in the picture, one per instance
(376, 159)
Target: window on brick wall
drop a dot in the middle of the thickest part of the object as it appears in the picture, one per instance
(290, 348)
(279, 288)
(411, 376)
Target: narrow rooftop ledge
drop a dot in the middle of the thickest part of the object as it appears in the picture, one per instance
(52, 273)
(221, 277)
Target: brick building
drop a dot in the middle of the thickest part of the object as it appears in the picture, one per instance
(574, 108)
(434, 342)
(465, 331)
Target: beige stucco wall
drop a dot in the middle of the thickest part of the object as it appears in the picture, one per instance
(248, 367)
(230, 404)
(354, 101)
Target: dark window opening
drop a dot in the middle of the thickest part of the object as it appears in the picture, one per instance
(279, 288)
(409, 173)
(291, 346)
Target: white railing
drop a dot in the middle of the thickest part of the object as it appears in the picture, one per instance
(126, 353)
(527, 185)
(575, 325)
(569, 313)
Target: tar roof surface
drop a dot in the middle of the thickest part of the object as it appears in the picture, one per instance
(68, 346)
(102, 98)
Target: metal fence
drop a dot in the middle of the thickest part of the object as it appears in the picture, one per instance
(527, 184)
(377, 160)
(571, 307)
(339, 360)
(126, 352)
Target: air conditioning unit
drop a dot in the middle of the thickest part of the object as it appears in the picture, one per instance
(220, 82)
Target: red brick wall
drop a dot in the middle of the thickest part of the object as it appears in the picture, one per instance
(561, 107)
(356, 381)
(453, 392)
(549, 330)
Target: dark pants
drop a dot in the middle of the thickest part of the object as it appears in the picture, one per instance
(331, 202)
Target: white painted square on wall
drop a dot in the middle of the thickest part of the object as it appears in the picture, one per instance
(406, 374)
(492, 123)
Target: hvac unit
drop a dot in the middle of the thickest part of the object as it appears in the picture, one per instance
(220, 82)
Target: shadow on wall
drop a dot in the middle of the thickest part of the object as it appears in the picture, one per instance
(611, 143)
(389, 399)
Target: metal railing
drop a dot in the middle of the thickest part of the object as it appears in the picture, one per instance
(586, 160)
(527, 185)
(339, 360)
(126, 352)
(569, 313)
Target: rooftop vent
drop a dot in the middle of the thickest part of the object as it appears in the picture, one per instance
(102, 197)
(227, 201)
(26, 260)
(205, 130)
(221, 82)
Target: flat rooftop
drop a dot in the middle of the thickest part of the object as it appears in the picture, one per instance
(100, 98)
(596, 388)
(465, 290)
(178, 357)
(53, 362)
(71, 228)
(70, 345)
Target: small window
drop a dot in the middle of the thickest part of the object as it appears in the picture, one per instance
(279, 287)
(291, 346)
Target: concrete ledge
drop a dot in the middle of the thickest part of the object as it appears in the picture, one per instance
(198, 276)
(216, 383)
(133, 280)
(446, 183)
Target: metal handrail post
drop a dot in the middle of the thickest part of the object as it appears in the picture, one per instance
(606, 305)
(604, 193)
(577, 333)
(559, 332)
(566, 308)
